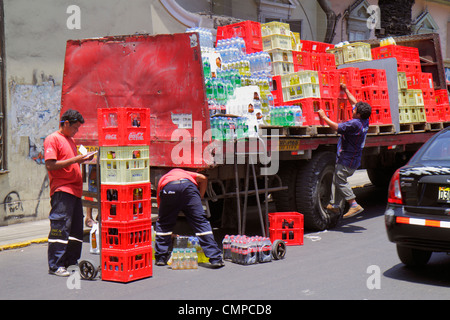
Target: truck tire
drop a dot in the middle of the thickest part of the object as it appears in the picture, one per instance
(380, 177)
(313, 191)
(285, 199)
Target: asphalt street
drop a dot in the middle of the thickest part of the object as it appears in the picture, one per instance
(354, 261)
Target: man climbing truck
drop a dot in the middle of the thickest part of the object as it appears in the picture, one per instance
(165, 74)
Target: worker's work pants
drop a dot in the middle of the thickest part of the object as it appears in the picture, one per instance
(183, 196)
(66, 231)
(340, 188)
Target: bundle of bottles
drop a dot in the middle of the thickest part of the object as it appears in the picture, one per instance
(246, 250)
(186, 254)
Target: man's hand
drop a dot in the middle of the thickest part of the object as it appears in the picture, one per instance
(322, 113)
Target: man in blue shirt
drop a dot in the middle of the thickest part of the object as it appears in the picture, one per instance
(349, 151)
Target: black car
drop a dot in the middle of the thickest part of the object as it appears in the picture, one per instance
(417, 216)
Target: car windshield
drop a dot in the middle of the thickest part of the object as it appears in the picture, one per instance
(436, 152)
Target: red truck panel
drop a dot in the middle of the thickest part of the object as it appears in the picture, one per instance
(163, 73)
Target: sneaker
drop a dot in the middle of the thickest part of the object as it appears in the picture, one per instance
(60, 272)
(353, 211)
(160, 263)
(333, 209)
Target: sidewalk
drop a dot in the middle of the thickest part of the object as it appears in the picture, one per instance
(24, 234)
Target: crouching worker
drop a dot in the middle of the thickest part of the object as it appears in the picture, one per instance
(181, 190)
(349, 151)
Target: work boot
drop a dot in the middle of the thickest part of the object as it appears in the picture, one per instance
(353, 211)
(333, 209)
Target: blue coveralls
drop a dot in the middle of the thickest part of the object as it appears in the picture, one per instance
(183, 195)
(65, 239)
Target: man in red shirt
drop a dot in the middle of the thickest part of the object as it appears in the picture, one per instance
(66, 186)
(181, 190)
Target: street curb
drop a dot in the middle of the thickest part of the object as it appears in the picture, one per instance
(22, 244)
(27, 243)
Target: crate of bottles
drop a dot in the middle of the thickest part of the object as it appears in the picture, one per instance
(121, 203)
(286, 226)
(282, 68)
(373, 78)
(124, 165)
(126, 235)
(277, 41)
(123, 126)
(380, 115)
(301, 91)
(300, 77)
(278, 55)
(401, 80)
(356, 52)
(351, 77)
(329, 84)
(126, 265)
(250, 31)
(338, 55)
(275, 27)
(403, 54)
(302, 60)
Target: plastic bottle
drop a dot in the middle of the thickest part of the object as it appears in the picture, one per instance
(289, 116)
(265, 250)
(93, 239)
(298, 116)
(175, 259)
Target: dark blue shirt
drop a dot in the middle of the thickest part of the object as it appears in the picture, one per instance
(351, 143)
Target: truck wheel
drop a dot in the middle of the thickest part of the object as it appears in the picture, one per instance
(380, 177)
(413, 258)
(313, 191)
(285, 199)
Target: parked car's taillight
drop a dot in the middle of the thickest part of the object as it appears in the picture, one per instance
(395, 193)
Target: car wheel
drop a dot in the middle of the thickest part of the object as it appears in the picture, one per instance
(413, 257)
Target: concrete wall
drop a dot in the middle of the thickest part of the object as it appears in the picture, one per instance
(35, 38)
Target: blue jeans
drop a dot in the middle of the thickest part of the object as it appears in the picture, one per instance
(65, 239)
(185, 196)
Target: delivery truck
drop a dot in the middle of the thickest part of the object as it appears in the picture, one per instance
(291, 165)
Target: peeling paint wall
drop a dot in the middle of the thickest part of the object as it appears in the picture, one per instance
(36, 33)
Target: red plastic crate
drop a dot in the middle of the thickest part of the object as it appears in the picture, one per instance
(409, 67)
(277, 91)
(126, 235)
(381, 115)
(327, 62)
(426, 81)
(302, 60)
(350, 77)
(287, 226)
(441, 97)
(310, 108)
(329, 84)
(123, 126)
(433, 113)
(373, 78)
(344, 110)
(250, 31)
(376, 97)
(413, 80)
(401, 53)
(123, 193)
(315, 46)
(126, 265)
(122, 203)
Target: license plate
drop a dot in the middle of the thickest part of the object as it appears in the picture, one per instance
(444, 194)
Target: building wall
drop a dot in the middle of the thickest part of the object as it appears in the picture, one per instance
(35, 38)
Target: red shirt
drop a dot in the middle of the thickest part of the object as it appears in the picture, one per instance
(59, 147)
(173, 175)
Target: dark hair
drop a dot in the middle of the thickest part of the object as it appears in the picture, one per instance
(364, 109)
(72, 116)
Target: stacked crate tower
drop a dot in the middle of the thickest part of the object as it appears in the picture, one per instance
(419, 102)
(124, 135)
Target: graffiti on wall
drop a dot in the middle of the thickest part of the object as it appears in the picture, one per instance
(34, 113)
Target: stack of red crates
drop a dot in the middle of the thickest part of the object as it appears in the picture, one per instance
(126, 204)
(408, 61)
(442, 104)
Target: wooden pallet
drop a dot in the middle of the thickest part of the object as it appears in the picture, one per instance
(378, 129)
(413, 127)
